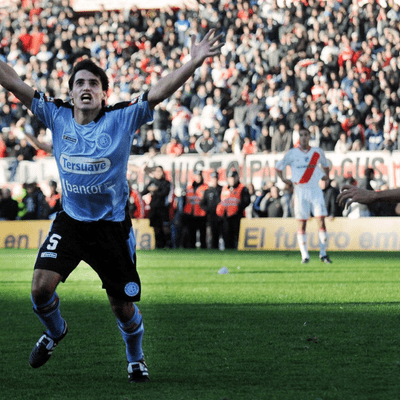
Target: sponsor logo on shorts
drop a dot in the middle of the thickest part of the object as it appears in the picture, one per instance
(131, 289)
(84, 165)
(48, 254)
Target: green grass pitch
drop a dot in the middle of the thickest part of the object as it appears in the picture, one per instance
(271, 328)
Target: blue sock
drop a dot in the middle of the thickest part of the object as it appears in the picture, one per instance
(132, 333)
(50, 316)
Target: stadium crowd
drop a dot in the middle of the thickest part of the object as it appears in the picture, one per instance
(330, 66)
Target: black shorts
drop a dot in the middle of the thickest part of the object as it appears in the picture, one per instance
(108, 247)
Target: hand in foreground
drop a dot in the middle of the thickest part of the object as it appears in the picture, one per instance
(352, 194)
(208, 47)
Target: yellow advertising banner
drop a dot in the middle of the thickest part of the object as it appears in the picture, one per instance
(363, 234)
(31, 234)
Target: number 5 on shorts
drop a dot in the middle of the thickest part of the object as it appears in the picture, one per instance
(53, 241)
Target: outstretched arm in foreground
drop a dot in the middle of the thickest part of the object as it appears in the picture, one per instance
(10, 81)
(165, 87)
(352, 194)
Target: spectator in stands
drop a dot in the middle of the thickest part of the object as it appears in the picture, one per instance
(211, 197)
(150, 141)
(8, 206)
(357, 60)
(195, 127)
(343, 145)
(270, 204)
(235, 198)
(249, 146)
(281, 139)
(25, 152)
(206, 144)
(174, 147)
(162, 123)
(326, 141)
(287, 201)
(136, 203)
(194, 218)
(159, 188)
(330, 194)
(264, 141)
(35, 203)
(374, 139)
(54, 200)
(210, 113)
(180, 121)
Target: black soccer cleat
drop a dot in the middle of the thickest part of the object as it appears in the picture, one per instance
(138, 372)
(325, 259)
(305, 260)
(44, 348)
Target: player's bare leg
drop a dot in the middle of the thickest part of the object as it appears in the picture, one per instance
(46, 306)
(130, 323)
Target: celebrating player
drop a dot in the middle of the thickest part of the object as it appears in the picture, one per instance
(309, 200)
(91, 145)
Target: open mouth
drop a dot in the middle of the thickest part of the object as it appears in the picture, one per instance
(86, 98)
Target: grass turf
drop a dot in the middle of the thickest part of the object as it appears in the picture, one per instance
(271, 328)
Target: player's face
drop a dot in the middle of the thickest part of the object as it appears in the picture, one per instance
(87, 92)
(304, 139)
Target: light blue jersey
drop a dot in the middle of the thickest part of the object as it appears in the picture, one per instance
(92, 159)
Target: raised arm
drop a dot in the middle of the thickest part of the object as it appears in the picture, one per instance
(10, 81)
(165, 87)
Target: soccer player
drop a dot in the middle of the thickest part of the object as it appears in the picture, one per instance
(91, 145)
(309, 200)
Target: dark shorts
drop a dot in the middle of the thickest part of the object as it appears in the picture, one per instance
(108, 247)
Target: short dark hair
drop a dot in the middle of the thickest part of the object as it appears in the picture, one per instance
(89, 65)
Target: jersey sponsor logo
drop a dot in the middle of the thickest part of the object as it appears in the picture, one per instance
(103, 141)
(48, 254)
(69, 138)
(82, 189)
(131, 289)
(83, 165)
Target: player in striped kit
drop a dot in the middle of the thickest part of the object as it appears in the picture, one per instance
(308, 165)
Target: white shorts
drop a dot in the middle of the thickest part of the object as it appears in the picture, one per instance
(309, 202)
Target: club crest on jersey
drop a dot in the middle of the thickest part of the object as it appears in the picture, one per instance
(84, 165)
(103, 141)
(131, 289)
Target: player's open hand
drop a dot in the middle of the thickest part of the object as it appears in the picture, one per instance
(210, 46)
(352, 194)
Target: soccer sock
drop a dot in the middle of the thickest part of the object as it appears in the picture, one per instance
(132, 333)
(322, 243)
(302, 241)
(50, 316)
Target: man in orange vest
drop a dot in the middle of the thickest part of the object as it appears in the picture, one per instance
(235, 197)
(194, 217)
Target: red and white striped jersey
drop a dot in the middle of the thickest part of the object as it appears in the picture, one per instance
(304, 165)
